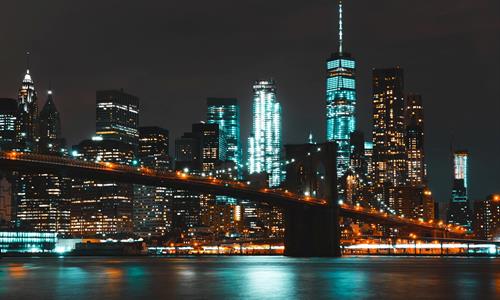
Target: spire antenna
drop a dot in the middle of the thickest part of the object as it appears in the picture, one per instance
(27, 60)
(340, 26)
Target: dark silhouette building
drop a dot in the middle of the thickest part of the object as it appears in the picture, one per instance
(51, 141)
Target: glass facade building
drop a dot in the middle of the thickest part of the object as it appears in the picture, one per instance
(264, 144)
(340, 101)
(226, 113)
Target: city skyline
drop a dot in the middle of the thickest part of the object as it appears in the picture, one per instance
(437, 138)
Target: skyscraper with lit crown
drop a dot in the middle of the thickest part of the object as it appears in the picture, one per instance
(340, 100)
(27, 125)
(264, 144)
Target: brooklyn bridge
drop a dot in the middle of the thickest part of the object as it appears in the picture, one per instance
(309, 220)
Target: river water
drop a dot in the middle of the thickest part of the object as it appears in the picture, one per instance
(249, 277)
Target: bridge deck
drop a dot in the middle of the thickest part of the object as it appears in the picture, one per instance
(30, 162)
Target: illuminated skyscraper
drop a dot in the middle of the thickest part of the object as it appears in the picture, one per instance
(151, 206)
(102, 207)
(41, 199)
(8, 118)
(459, 212)
(226, 113)
(264, 143)
(341, 101)
(27, 123)
(414, 140)
(117, 116)
(389, 152)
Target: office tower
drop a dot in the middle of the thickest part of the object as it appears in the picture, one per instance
(212, 145)
(264, 143)
(201, 151)
(153, 148)
(389, 155)
(27, 123)
(43, 202)
(414, 140)
(102, 207)
(341, 100)
(414, 202)
(117, 116)
(226, 113)
(459, 208)
(8, 117)
(187, 152)
(51, 141)
(151, 206)
(487, 218)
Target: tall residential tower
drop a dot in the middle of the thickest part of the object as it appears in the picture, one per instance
(414, 140)
(340, 100)
(389, 151)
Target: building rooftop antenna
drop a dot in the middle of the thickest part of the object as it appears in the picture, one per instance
(340, 27)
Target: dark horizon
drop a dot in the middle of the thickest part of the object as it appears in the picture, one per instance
(173, 56)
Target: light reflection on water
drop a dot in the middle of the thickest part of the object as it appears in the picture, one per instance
(249, 277)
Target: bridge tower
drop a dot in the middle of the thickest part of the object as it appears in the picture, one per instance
(311, 171)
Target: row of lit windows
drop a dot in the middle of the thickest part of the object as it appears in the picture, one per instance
(345, 63)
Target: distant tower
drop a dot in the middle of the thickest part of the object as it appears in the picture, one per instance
(27, 123)
(340, 100)
(459, 211)
(414, 140)
(264, 144)
(51, 141)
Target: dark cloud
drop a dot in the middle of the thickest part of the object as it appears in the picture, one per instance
(173, 54)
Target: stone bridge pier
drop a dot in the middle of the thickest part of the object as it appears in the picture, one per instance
(312, 231)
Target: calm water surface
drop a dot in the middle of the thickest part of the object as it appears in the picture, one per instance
(249, 278)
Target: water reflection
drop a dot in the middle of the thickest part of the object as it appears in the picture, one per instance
(269, 281)
(17, 271)
(248, 277)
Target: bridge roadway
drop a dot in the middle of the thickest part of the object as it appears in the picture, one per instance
(73, 168)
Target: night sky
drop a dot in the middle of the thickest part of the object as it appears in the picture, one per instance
(174, 54)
